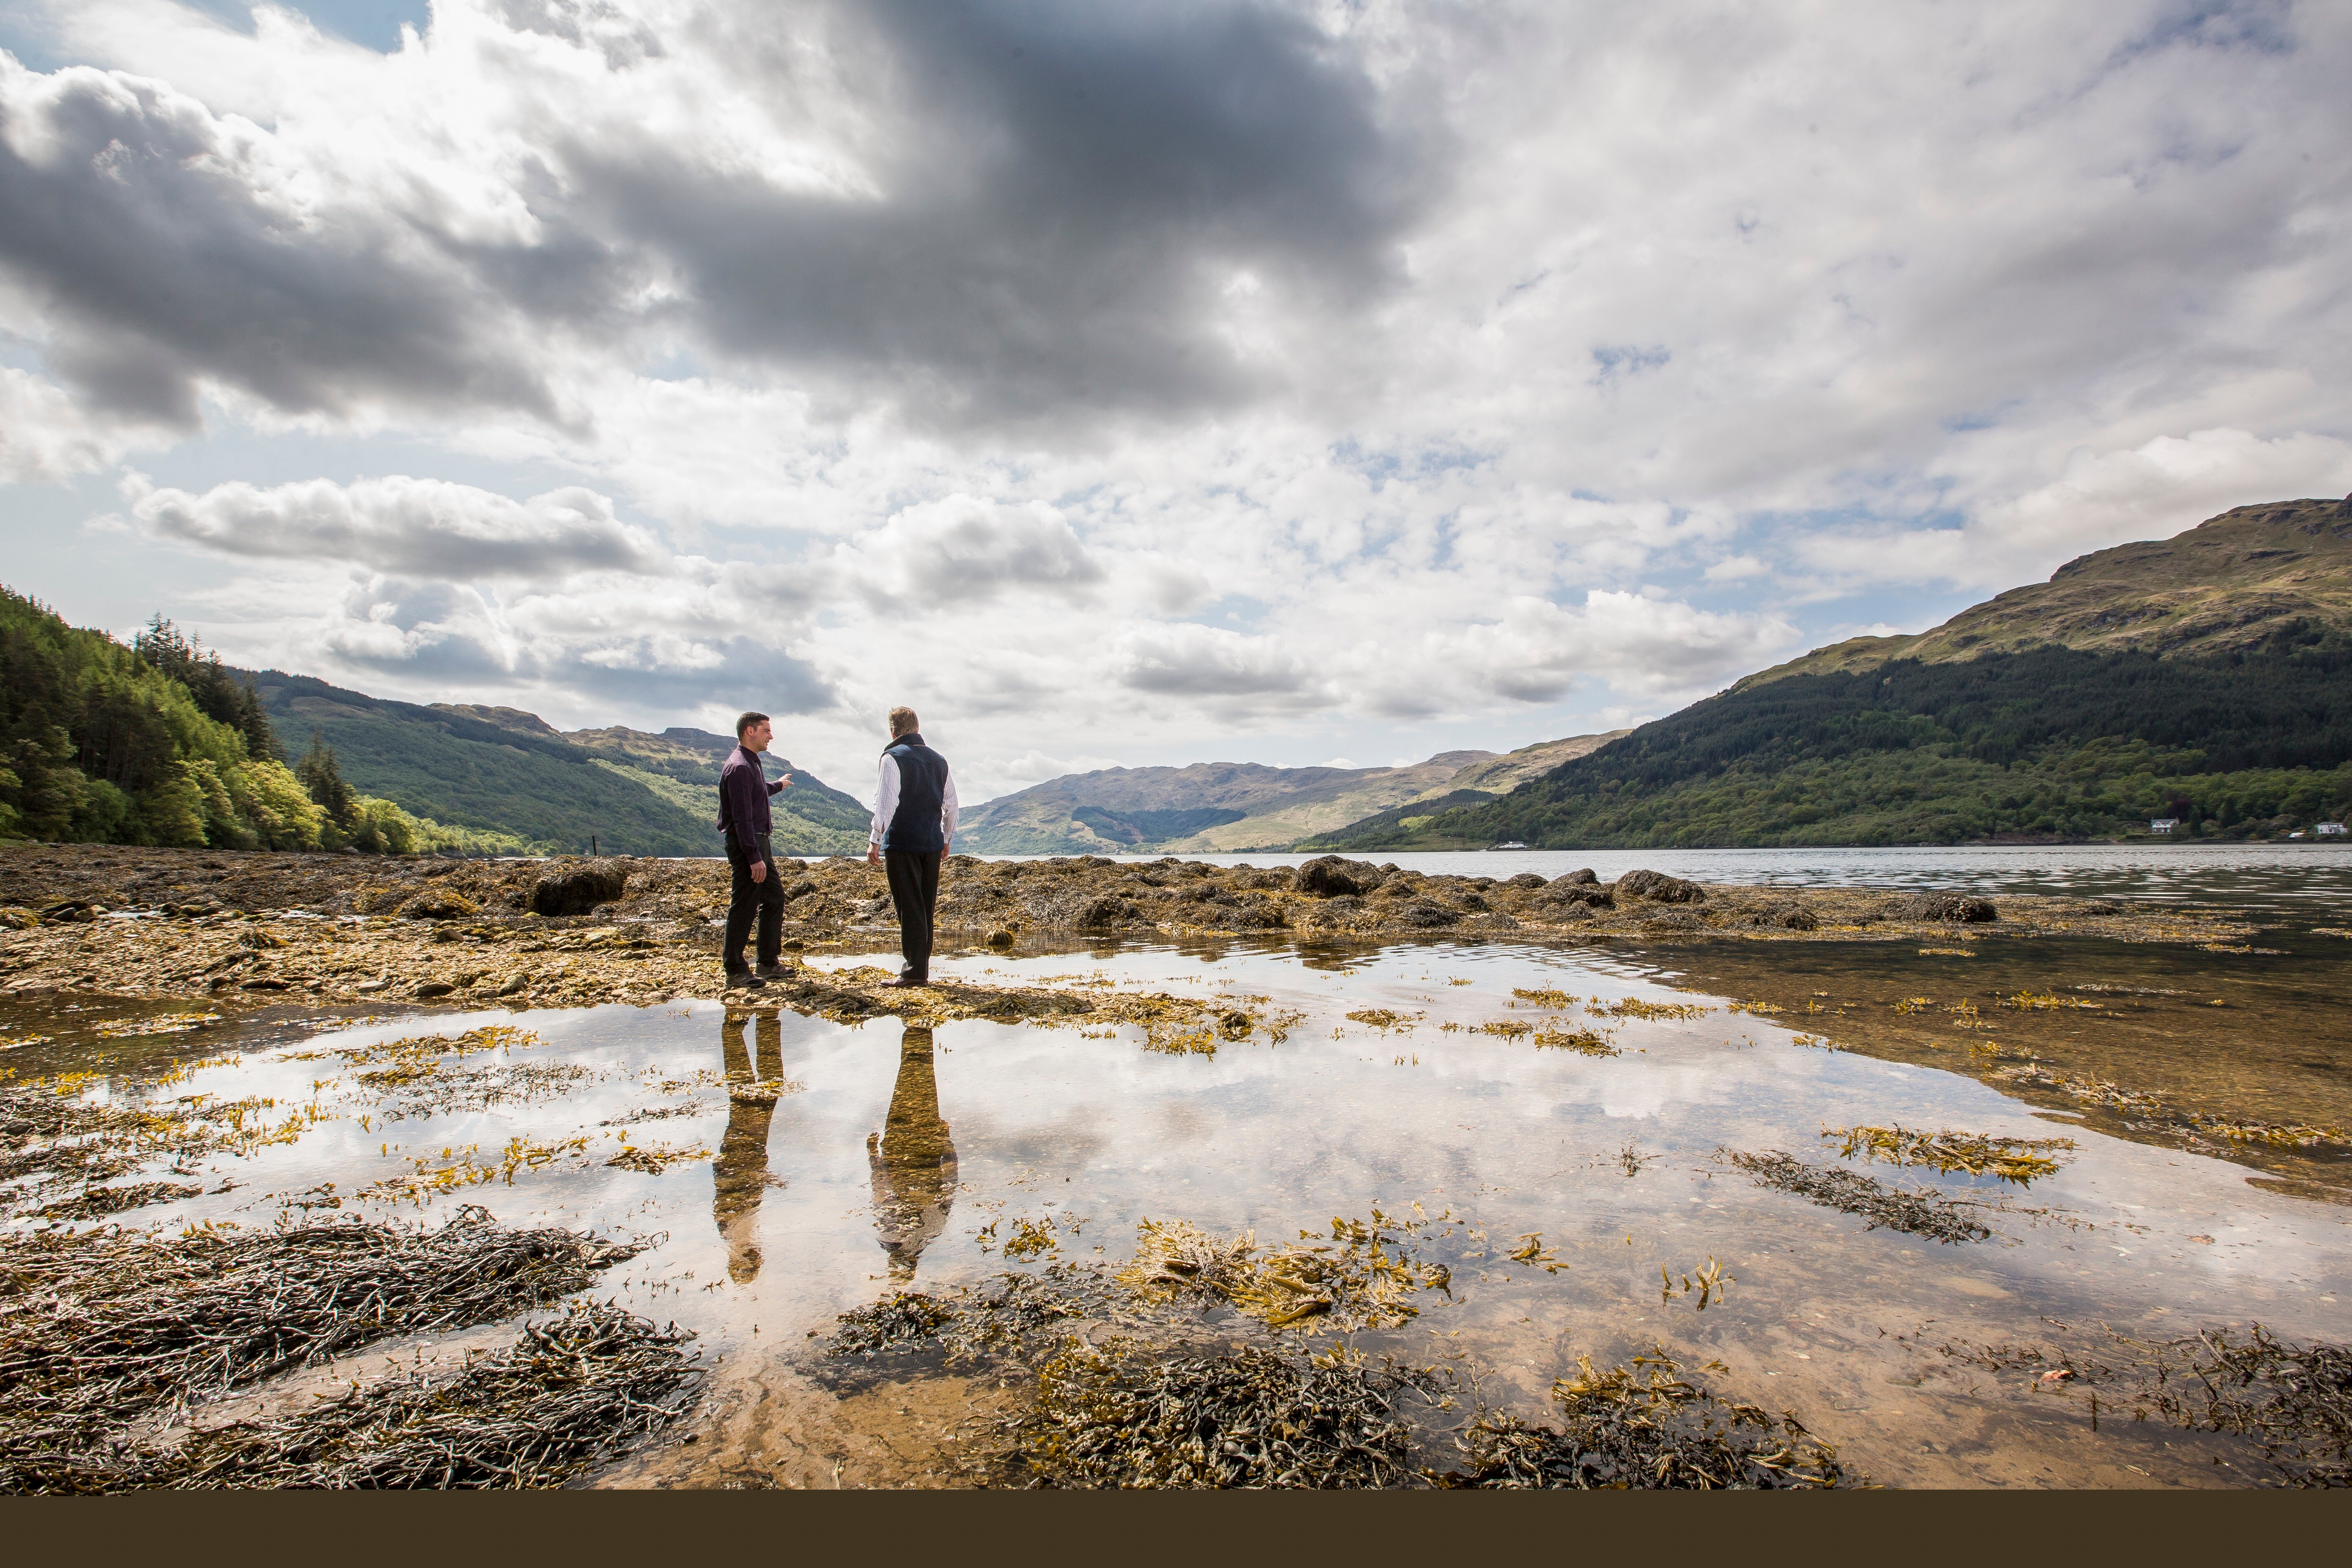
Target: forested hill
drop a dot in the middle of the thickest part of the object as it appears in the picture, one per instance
(2237, 719)
(157, 741)
(504, 770)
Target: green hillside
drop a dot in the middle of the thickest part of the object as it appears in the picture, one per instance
(2230, 708)
(157, 742)
(682, 765)
(507, 771)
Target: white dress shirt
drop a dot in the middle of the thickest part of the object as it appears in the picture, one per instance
(885, 802)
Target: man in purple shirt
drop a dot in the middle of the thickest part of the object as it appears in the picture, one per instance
(744, 792)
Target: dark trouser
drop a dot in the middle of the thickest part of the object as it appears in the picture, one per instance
(766, 896)
(915, 889)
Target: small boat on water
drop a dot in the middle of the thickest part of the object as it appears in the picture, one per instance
(1514, 844)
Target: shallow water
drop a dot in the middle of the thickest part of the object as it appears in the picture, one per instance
(2292, 876)
(891, 1157)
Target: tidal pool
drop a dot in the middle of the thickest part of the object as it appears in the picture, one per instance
(789, 1169)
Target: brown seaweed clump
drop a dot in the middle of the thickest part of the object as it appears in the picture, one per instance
(1645, 1426)
(1361, 1276)
(2018, 1160)
(1922, 1213)
(1129, 1417)
(2293, 1402)
(570, 1392)
(100, 1331)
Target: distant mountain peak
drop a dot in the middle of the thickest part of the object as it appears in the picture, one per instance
(2225, 585)
(513, 719)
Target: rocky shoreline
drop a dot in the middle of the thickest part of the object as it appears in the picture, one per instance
(239, 930)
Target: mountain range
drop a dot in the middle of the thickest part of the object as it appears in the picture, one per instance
(1234, 808)
(2206, 678)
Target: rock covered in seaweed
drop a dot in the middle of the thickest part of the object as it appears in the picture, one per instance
(577, 889)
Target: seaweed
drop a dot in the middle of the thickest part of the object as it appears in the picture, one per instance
(570, 1391)
(2018, 1160)
(1584, 1042)
(2293, 1401)
(1360, 1277)
(102, 1329)
(1643, 1427)
(1131, 1417)
(1922, 1213)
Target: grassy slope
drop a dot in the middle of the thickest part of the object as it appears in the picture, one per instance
(2211, 674)
(683, 767)
(506, 770)
(461, 770)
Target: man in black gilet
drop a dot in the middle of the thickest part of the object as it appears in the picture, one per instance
(914, 824)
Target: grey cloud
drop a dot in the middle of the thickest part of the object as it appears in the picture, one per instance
(448, 636)
(424, 528)
(1069, 189)
(140, 220)
(1202, 661)
(745, 674)
(962, 550)
(1065, 190)
(589, 24)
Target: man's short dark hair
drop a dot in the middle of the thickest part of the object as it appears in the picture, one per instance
(745, 720)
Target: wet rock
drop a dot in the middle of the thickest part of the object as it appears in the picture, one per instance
(1952, 907)
(1525, 880)
(439, 905)
(1583, 877)
(1671, 919)
(434, 988)
(1330, 876)
(1000, 938)
(1424, 913)
(1585, 895)
(1659, 888)
(578, 889)
(1256, 912)
(1103, 914)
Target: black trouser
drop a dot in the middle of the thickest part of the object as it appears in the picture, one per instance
(766, 896)
(915, 889)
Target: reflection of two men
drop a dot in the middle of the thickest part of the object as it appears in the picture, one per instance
(913, 1157)
(913, 1160)
(741, 1170)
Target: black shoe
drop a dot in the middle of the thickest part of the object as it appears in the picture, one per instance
(775, 972)
(908, 981)
(741, 978)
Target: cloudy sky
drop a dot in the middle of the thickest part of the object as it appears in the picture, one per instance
(1142, 382)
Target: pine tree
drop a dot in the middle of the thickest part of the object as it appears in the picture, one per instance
(320, 775)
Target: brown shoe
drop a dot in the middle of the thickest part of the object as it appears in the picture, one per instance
(903, 984)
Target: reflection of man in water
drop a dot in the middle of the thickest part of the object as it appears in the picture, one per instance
(741, 1171)
(914, 1160)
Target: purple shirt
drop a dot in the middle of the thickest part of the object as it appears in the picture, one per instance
(744, 792)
